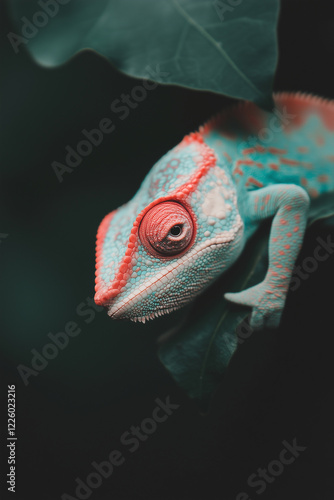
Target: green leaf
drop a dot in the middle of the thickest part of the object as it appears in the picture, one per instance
(204, 44)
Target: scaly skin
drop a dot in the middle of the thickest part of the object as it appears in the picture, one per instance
(200, 203)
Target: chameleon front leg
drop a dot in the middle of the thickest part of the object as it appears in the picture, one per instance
(289, 205)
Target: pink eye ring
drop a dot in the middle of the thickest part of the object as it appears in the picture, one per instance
(167, 229)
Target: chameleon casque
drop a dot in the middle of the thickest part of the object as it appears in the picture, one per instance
(201, 202)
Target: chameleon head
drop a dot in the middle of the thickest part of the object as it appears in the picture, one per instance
(180, 231)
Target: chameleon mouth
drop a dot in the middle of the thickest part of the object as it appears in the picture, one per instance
(136, 305)
(156, 314)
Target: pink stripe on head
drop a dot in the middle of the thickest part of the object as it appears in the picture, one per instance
(100, 237)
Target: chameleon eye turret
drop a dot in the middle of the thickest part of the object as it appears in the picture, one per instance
(167, 229)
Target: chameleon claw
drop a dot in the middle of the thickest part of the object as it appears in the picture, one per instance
(260, 320)
(243, 298)
(264, 312)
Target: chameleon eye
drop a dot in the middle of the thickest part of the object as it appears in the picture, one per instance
(166, 229)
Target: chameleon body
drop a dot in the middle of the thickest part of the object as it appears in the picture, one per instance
(201, 202)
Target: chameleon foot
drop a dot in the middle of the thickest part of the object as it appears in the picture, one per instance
(267, 305)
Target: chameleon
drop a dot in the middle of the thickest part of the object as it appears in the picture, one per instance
(202, 201)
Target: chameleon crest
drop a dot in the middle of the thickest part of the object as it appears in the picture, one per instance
(199, 204)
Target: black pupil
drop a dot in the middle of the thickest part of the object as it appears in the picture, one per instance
(176, 231)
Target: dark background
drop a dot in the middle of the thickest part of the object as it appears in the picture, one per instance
(280, 384)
